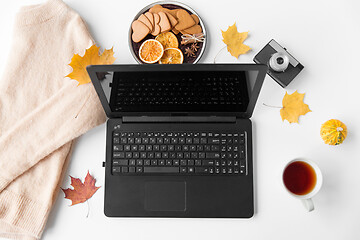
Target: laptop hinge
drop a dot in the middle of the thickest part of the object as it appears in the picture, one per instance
(189, 119)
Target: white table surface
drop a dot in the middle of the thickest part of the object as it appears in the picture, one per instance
(325, 37)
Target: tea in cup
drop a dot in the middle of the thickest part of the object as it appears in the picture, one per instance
(302, 179)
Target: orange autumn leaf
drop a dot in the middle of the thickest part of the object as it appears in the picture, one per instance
(82, 191)
(293, 107)
(91, 57)
(234, 41)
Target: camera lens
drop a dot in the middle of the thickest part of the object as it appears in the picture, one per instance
(280, 60)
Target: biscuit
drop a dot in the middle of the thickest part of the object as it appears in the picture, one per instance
(184, 20)
(175, 31)
(193, 30)
(164, 22)
(157, 28)
(146, 21)
(196, 18)
(158, 8)
(140, 31)
(150, 16)
(173, 12)
(153, 9)
(172, 20)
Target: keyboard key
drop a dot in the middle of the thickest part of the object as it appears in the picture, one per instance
(139, 169)
(116, 140)
(139, 162)
(208, 162)
(161, 162)
(197, 162)
(212, 155)
(215, 148)
(116, 169)
(147, 162)
(131, 169)
(214, 141)
(190, 162)
(118, 155)
(161, 169)
(124, 169)
(154, 162)
(242, 163)
(183, 169)
(132, 162)
(176, 162)
(118, 148)
(120, 162)
(168, 162)
(183, 162)
(190, 169)
(201, 170)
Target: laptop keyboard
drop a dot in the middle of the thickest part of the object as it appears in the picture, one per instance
(179, 153)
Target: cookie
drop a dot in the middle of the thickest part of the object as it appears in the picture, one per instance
(172, 20)
(150, 16)
(154, 9)
(175, 31)
(196, 18)
(157, 28)
(140, 31)
(173, 12)
(184, 20)
(193, 30)
(164, 22)
(146, 21)
(158, 8)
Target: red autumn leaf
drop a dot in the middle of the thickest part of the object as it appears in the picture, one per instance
(81, 191)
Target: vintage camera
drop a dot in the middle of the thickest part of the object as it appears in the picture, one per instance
(282, 66)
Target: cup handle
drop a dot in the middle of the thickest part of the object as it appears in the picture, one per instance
(308, 204)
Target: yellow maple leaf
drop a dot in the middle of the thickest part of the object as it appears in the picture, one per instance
(91, 57)
(234, 41)
(293, 107)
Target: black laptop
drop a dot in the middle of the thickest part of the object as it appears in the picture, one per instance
(179, 139)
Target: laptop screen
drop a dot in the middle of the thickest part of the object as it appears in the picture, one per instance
(178, 90)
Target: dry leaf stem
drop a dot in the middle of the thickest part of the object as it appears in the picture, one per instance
(271, 106)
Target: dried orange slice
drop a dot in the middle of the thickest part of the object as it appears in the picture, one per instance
(151, 51)
(168, 40)
(172, 56)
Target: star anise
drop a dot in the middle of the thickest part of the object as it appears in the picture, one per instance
(189, 52)
(194, 47)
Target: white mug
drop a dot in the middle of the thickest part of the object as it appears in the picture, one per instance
(306, 199)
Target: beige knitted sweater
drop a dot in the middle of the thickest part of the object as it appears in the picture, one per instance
(38, 109)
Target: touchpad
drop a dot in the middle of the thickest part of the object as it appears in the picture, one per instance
(165, 196)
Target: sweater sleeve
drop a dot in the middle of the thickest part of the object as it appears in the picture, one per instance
(69, 113)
